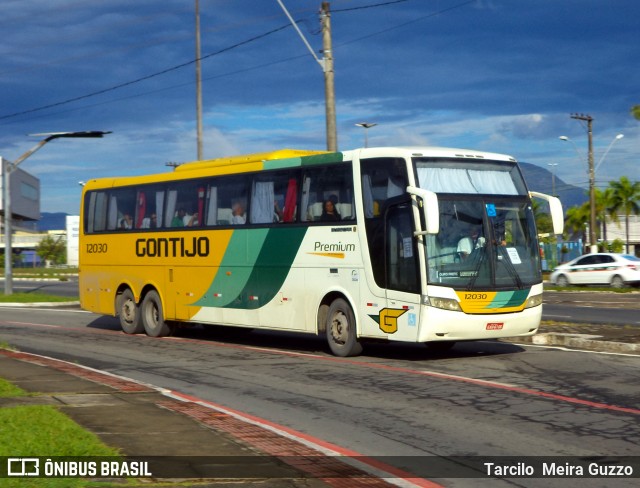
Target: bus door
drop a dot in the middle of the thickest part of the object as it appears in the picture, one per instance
(402, 277)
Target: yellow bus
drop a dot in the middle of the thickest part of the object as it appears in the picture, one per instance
(427, 245)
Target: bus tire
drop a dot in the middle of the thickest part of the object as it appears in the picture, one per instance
(129, 313)
(153, 317)
(341, 330)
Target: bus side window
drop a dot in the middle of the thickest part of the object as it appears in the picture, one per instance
(274, 198)
(96, 211)
(331, 183)
(382, 178)
(231, 195)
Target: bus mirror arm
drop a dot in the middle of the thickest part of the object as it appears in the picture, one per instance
(555, 208)
(430, 210)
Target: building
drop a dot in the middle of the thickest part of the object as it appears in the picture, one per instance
(25, 198)
(618, 230)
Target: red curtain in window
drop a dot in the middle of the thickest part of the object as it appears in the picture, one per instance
(201, 195)
(290, 201)
(142, 209)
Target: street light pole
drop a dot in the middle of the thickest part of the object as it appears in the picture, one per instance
(366, 126)
(553, 178)
(7, 168)
(616, 138)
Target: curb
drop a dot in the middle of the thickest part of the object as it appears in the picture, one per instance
(40, 304)
(587, 342)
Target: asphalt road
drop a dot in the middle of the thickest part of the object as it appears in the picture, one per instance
(577, 307)
(481, 399)
(51, 287)
(590, 307)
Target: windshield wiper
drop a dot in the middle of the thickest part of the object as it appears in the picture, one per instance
(509, 266)
(472, 281)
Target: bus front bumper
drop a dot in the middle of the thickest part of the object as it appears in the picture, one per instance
(445, 325)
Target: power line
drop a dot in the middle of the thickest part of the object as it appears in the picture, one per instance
(143, 78)
(363, 7)
(417, 19)
(229, 48)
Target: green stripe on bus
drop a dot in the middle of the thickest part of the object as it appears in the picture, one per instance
(282, 163)
(235, 269)
(336, 157)
(254, 267)
(295, 162)
(505, 299)
(272, 267)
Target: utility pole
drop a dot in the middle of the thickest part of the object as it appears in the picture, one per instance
(326, 63)
(198, 83)
(592, 182)
(329, 88)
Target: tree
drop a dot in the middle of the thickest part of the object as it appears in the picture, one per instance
(625, 198)
(576, 219)
(603, 209)
(52, 249)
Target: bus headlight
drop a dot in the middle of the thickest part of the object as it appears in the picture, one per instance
(534, 301)
(445, 304)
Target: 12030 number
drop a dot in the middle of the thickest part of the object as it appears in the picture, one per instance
(96, 248)
(475, 296)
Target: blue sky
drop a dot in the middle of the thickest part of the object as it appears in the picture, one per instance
(495, 75)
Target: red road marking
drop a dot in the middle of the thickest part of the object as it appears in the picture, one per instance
(384, 367)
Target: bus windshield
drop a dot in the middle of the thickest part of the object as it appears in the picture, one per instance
(484, 243)
(487, 233)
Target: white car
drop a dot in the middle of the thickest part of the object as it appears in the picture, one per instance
(616, 270)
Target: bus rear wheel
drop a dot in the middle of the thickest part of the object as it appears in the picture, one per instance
(341, 330)
(152, 316)
(129, 313)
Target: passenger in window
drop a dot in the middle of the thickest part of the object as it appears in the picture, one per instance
(126, 222)
(190, 220)
(238, 216)
(329, 211)
(150, 222)
(277, 212)
(178, 220)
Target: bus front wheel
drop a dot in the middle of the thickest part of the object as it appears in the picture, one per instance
(129, 313)
(341, 330)
(152, 316)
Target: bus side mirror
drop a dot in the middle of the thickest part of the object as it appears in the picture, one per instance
(430, 209)
(555, 209)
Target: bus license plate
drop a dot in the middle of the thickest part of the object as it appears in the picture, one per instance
(495, 325)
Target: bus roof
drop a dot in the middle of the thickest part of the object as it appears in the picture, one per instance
(427, 152)
(247, 158)
(286, 158)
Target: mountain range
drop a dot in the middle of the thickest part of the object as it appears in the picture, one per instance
(537, 178)
(541, 179)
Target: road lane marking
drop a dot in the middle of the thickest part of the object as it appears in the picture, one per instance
(377, 366)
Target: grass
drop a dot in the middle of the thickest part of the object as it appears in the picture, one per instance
(60, 273)
(626, 289)
(35, 297)
(10, 390)
(42, 430)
